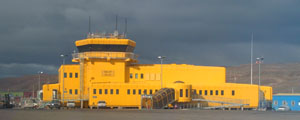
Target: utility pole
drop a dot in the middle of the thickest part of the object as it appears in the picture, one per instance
(63, 76)
(259, 62)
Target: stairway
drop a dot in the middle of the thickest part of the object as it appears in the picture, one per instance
(162, 98)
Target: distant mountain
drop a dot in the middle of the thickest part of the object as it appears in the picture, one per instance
(26, 83)
(282, 77)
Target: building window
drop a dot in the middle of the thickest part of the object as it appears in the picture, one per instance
(130, 75)
(200, 92)
(276, 102)
(100, 91)
(211, 92)
(136, 76)
(133, 91)
(284, 103)
(205, 92)
(70, 91)
(150, 92)
(117, 91)
(181, 93)
(76, 91)
(293, 103)
(70, 75)
(217, 92)
(142, 75)
(187, 93)
(94, 91)
(145, 91)
(232, 92)
(140, 91)
(65, 75)
(195, 92)
(111, 91)
(222, 92)
(105, 91)
(76, 75)
(128, 91)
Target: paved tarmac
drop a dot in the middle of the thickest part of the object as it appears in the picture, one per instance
(86, 114)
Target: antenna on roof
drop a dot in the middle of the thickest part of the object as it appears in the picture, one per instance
(116, 29)
(125, 31)
(89, 24)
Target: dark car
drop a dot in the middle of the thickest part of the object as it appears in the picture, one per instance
(54, 104)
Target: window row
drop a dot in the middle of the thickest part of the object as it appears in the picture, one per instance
(71, 91)
(136, 76)
(286, 103)
(70, 75)
(205, 92)
(129, 91)
(146, 76)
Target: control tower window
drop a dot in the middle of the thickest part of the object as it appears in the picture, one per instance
(105, 48)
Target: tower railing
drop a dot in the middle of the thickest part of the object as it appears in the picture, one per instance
(105, 55)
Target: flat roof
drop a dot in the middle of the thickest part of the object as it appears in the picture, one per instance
(287, 94)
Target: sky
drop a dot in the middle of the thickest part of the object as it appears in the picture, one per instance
(34, 33)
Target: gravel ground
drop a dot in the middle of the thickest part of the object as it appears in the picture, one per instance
(86, 114)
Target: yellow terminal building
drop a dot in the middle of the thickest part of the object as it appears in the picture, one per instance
(107, 70)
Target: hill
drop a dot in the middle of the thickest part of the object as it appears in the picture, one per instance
(284, 78)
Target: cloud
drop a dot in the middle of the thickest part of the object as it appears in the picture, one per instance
(206, 32)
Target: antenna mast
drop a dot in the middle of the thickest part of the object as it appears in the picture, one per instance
(125, 31)
(116, 29)
(89, 24)
(251, 59)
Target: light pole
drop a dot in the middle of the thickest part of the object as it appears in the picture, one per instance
(161, 69)
(259, 61)
(63, 76)
(40, 72)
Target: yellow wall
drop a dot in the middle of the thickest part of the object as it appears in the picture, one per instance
(71, 82)
(190, 74)
(123, 99)
(47, 91)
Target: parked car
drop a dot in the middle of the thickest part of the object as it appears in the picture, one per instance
(54, 104)
(71, 104)
(101, 104)
(29, 104)
(283, 108)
